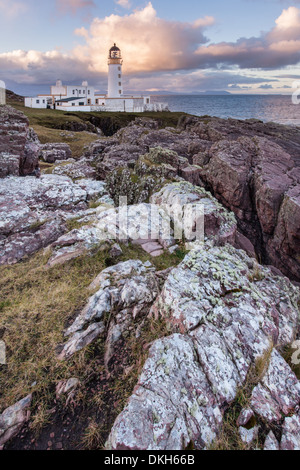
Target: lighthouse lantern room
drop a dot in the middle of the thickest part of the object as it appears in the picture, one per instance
(115, 88)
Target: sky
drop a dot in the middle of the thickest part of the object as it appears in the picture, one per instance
(241, 46)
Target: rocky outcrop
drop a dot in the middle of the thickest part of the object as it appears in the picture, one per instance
(179, 211)
(225, 312)
(250, 167)
(33, 214)
(19, 145)
(253, 169)
(75, 169)
(50, 153)
(225, 319)
(125, 293)
(150, 172)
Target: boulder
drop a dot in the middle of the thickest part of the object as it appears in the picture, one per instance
(33, 215)
(19, 145)
(224, 315)
(52, 152)
(13, 418)
(124, 293)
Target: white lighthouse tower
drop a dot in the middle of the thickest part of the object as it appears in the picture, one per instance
(115, 88)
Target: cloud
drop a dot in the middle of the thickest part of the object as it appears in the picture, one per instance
(196, 80)
(159, 54)
(124, 3)
(275, 49)
(147, 41)
(266, 87)
(12, 9)
(73, 6)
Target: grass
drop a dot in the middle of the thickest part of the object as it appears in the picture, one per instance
(76, 140)
(92, 437)
(74, 223)
(36, 305)
(49, 123)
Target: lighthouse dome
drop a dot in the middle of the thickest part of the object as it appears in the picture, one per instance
(114, 52)
(114, 48)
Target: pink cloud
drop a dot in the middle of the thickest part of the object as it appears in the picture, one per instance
(155, 50)
(72, 6)
(147, 41)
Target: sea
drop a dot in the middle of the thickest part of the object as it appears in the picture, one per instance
(267, 108)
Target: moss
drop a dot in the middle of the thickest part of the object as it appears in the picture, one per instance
(75, 223)
(36, 225)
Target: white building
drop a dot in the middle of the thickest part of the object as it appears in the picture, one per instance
(83, 97)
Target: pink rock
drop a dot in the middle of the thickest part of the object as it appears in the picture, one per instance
(150, 247)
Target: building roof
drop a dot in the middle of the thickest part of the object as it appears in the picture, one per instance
(70, 99)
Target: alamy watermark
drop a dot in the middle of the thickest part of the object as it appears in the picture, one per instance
(2, 92)
(296, 93)
(153, 222)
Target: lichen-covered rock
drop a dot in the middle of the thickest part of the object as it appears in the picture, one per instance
(278, 393)
(151, 225)
(259, 181)
(142, 222)
(249, 436)
(13, 418)
(52, 152)
(112, 157)
(229, 312)
(172, 405)
(180, 201)
(75, 169)
(33, 214)
(271, 442)
(124, 291)
(19, 145)
(291, 433)
(150, 173)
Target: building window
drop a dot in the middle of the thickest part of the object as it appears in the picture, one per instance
(79, 92)
(119, 75)
(96, 101)
(120, 91)
(103, 104)
(120, 84)
(119, 68)
(81, 103)
(148, 100)
(89, 101)
(89, 92)
(37, 101)
(43, 101)
(83, 92)
(73, 92)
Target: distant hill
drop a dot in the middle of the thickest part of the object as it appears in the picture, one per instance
(213, 92)
(11, 96)
(170, 93)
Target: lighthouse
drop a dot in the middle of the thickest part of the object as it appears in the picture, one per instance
(84, 97)
(115, 88)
